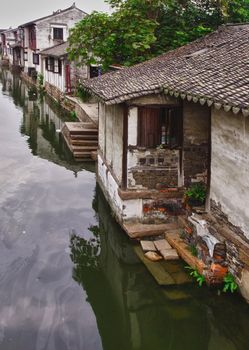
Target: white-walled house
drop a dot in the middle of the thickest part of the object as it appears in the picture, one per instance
(8, 40)
(46, 32)
(60, 75)
(176, 120)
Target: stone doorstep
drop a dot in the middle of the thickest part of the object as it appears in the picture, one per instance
(162, 246)
(148, 246)
(169, 254)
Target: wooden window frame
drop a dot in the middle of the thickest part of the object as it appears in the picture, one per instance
(58, 33)
(32, 38)
(50, 64)
(36, 59)
(153, 119)
(57, 66)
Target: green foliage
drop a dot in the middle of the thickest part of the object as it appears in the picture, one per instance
(193, 250)
(34, 75)
(182, 234)
(229, 283)
(138, 30)
(73, 115)
(41, 88)
(32, 93)
(197, 191)
(40, 79)
(82, 93)
(200, 279)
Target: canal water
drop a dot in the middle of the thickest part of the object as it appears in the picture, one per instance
(69, 278)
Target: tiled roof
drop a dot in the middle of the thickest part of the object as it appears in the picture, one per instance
(214, 68)
(56, 51)
(53, 14)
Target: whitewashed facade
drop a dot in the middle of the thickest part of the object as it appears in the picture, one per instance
(46, 32)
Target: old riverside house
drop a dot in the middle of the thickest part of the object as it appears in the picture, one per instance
(23, 45)
(176, 120)
(59, 74)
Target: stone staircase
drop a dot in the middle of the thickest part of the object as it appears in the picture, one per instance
(81, 139)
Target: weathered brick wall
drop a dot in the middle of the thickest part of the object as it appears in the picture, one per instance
(161, 211)
(154, 178)
(153, 169)
(54, 91)
(195, 163)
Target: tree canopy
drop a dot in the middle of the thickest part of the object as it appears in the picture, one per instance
(138, 30)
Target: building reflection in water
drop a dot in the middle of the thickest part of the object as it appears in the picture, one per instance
(41, 123)
(133, 312)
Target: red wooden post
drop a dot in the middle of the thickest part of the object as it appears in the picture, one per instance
(68, 79)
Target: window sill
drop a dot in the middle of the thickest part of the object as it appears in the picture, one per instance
(142, 149)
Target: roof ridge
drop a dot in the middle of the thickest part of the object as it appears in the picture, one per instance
(57, 12)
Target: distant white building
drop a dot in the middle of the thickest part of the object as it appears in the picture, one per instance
(60, 76)
(44, 33)
(8, 40)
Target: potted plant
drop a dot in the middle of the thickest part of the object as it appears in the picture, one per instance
(196, 194)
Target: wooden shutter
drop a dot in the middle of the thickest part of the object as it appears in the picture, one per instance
(149, 133)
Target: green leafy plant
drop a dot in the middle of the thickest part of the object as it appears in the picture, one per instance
(182, 234)
(40, 79)
(229, 283)
(73, 115)
(82, 93)
(193, 250)
(200, 279)
(197, 192)
(41, 88)
(32, 93)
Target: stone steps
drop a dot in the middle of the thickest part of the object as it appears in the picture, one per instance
(77, 149)
(81, 139)
(84, 142)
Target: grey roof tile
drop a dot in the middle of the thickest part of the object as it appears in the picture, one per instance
(214, 67)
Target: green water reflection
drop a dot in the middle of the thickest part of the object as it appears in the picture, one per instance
(42, 121)
(133, 312)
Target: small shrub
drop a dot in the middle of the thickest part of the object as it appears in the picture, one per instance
(229, 283)
(200, 279)
(82, 93)
(32, 93)
(73, 115)
(197, 192)
(193, 250)
(34, 75)
(40, 79)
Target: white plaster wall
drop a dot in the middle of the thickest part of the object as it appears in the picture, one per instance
(102, 119)
(44, 32)
(195, 123)
(65, 20)
(9, 41)
(55, 79)
(132, 126)
(124, 210)
(230, 166)
(114, 138)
